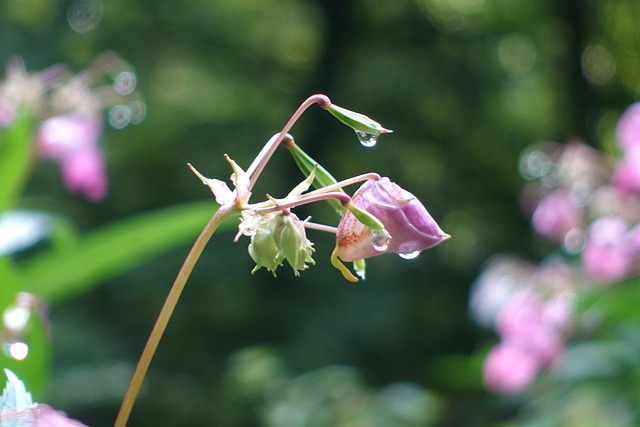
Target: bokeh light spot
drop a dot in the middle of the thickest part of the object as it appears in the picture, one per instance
(125, 83)
(516, 53)
(120, 116)
(17, 350)
(598, 64)
(85, 15)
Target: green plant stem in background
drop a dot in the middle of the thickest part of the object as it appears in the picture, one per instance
(218, 218)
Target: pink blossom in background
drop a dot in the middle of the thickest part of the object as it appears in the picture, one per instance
(608, 254)
(556, 215)
(628, 130)
(526, 321)
(62, 136)
(49, 417)
(626, 176)
(510, 368)
(84, 173)
(73, 141)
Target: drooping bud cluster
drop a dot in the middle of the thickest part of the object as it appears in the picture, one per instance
(277, 237)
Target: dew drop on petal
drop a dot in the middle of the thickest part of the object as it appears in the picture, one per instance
(409, 255)
(380, 240)
(367, 139)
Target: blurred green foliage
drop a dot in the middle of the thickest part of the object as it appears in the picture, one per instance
(465, 85)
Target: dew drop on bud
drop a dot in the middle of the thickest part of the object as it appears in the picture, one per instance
(409, 255)
(380, 240)
(367, 139)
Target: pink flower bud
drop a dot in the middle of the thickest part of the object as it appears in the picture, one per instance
(410, 226)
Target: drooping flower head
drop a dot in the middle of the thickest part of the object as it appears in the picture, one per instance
(410, 227)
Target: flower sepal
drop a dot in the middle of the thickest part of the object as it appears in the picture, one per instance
(356, 121)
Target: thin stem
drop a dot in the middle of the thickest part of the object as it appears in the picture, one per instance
(167, 310)
(320, 227)
(349, 181)
(265, 154)
(304, 200)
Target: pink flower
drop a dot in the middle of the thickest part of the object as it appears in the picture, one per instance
(509, 368)
(73, 141)
(83, 173)
(626, 176)
(49, 417)
(532, 323)
(609, 252)
(410, 226)
(628, 130)
(62, 136)
(556, 215)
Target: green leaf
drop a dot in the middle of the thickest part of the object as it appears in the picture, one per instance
(15, 158)
(114, 249)
(617, 304)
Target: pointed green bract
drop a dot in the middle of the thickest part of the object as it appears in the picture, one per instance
(322, 177)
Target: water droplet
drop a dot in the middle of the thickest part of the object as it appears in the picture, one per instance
(409, 255)
(380, 240)
(367, 139)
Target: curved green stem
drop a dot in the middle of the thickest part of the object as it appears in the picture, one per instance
(218, 218)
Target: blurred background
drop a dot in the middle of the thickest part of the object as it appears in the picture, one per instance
(466, 85)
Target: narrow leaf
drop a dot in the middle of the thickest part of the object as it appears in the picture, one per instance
(113, 249)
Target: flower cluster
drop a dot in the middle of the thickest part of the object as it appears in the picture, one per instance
(18, 409)
(588, 203)
(68, 109)
(380, 217)
(531, 309)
